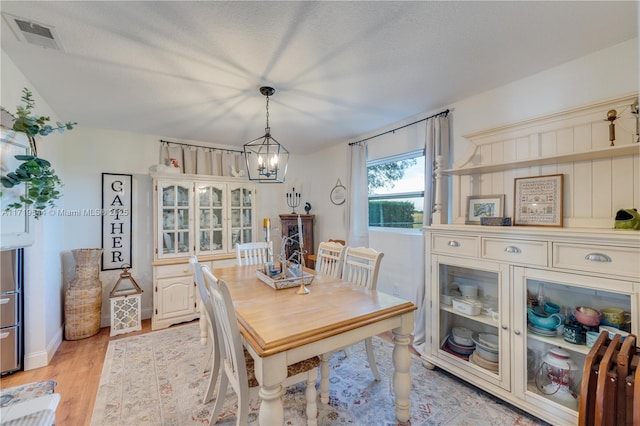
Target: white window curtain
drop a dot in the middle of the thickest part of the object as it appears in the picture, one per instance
(192, 159)
(358, 207)
(436, 144)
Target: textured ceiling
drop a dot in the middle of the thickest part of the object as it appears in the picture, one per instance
(191, 70)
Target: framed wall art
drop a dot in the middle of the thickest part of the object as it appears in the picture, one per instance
(538, 201)
(483, 206)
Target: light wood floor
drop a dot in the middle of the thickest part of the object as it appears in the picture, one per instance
(76, 367)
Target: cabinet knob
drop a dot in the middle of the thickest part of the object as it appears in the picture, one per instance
(597, 257)
(512, 249)
(517, 332)
(504, 327)
(453, 244)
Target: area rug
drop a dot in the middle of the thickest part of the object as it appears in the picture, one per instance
(156, 379)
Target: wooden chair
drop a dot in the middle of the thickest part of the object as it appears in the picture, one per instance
(212, 357)
(360, 266)
(237, 364)
(254, 253)
(329, 259)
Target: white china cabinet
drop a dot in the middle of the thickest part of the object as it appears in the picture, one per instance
(511, 268)
(195, 215)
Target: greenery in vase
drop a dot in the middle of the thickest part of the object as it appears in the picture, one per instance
(42, 182)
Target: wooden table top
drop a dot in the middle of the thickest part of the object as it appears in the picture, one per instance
(274, 321)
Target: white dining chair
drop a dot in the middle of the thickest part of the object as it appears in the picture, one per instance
(360, 266)
(329, 259)
(211, 360)
(254, 253)
(238, 366)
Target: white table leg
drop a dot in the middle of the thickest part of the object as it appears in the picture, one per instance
(401, 376)
(271, 410)
(271, 372)
(324, 378)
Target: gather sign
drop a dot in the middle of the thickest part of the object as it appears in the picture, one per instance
(116, 220)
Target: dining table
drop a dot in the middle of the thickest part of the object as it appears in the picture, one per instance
(282, 327)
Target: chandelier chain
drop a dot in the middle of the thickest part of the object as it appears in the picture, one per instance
(267, 113)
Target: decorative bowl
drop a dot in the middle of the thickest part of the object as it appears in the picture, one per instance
(551, 308)
(550, 322)
(587, 316)
(462, 336)
(487, 355)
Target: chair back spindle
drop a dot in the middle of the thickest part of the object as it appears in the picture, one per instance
(361, 266)
(329, 259)
(255, 253)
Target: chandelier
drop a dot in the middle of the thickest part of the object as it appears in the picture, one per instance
(266, 159)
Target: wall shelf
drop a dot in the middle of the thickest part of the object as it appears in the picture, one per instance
(611, 152)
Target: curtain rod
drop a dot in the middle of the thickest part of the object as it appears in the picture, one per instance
(445, 112)
(201, 146)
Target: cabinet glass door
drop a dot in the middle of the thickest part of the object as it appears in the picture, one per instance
(471, 310)
(210, 219)
(175, 233)
(242, 215)
(554, 352)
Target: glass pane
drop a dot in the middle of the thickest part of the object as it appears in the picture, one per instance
(183, 242)
(469, 305)
(204, 194)
(246, 217)
(205, 219)
(205, 241)
(247, 198)
(217, 240)
(168, 219)
(215, 218)
(167, 242)
(169, 196)
(235, 198)
(396, 176)
(235, 238)
(397, 212)
(246, 236)
(235, 218)
(183, 196)
(544, 340)
(183, 219)
(217, 196)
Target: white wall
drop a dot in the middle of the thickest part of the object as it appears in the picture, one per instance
(43, 285)
(85, 153)
(602, 75)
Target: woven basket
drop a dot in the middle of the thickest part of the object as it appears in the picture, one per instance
(83, 298)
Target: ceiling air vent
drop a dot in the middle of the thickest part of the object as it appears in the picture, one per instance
(35, 33)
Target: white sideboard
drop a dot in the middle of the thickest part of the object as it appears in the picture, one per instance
(509, 265)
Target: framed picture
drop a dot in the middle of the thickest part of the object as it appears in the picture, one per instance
(483, 206)
(538, 201)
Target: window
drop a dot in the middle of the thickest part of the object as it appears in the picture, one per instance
(396, 190)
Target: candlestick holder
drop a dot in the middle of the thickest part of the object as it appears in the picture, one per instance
(294, 264)
(293, 200)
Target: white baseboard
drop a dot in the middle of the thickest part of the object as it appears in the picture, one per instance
(42, 358)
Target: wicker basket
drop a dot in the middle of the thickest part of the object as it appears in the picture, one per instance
(83, 298)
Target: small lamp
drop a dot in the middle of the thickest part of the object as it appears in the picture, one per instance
(125, 305)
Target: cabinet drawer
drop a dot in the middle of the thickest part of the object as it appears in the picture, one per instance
(620, 261)
(454, 244)
(515, 251)
(177, 270)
